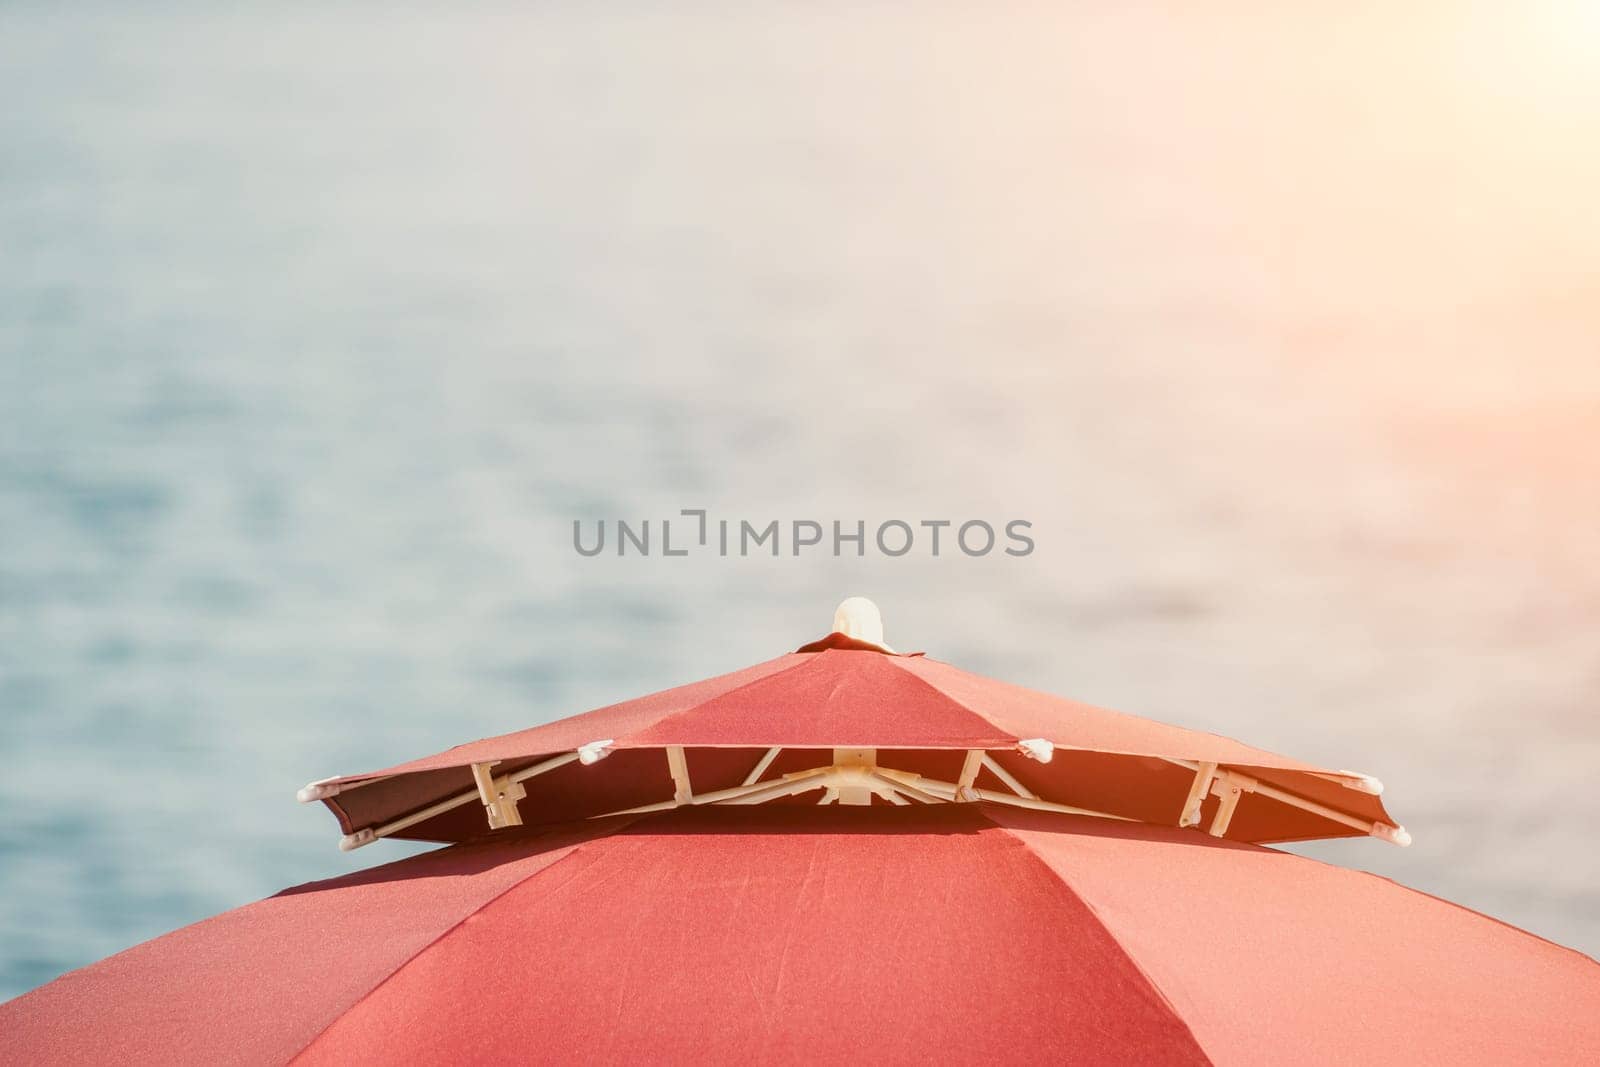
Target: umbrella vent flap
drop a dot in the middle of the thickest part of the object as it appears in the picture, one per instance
(852, 697)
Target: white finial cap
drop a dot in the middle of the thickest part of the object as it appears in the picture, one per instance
(859, 618)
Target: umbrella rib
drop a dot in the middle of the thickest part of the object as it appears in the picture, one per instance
(1036, 804)
(720, 796)
(1235, 782)
(642, 809)
(952, 791)
(933, 786)
(1094, 911)
(909, 788)
(788, 787)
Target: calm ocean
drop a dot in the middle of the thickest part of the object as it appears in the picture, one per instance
(320, 324)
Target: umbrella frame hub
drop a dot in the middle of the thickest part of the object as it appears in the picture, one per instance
(855, 778)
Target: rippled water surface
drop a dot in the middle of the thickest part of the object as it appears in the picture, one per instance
(319, 325)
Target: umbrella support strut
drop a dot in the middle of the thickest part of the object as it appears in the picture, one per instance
(969, 775)
(678, 767)
(1007, 777)
(1203, 776)
(761, 766)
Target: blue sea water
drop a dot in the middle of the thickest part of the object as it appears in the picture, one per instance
(320, 324)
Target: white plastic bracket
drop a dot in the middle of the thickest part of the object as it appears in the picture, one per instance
(594, 751)
(319, 790)
(365, 836)
(1037, 748)
(1395, 835)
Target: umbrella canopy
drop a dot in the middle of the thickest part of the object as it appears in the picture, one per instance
(919, 728)
(782, 934)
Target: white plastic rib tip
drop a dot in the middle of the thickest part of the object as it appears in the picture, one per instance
(1037, 748)
(321, 790)
(1395, 835)
(350, 842)
(859, 618)
(1363, 783)
(594, 751)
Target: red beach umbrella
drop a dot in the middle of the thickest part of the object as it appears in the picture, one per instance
(907, 917)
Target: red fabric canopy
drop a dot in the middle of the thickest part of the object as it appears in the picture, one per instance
(844, 693)
(784, 934)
